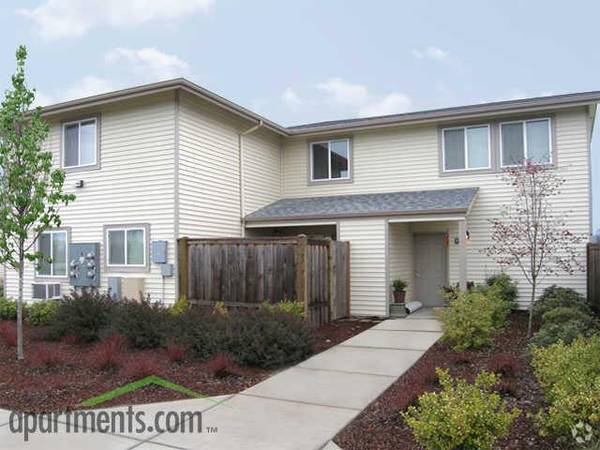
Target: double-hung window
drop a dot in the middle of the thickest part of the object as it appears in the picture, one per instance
(330, 160)
(466, 148)
(53, 246)
(80, 143)
(126, 246)
(525, 140)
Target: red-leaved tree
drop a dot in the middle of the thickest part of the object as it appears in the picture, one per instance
(529, 234)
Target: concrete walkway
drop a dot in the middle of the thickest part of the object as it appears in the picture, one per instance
(302, 407)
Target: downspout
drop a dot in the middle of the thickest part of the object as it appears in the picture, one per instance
(241, 169)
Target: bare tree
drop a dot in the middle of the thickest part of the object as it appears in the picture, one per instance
(529, 234)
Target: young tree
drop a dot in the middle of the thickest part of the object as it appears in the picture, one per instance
(529, 234)
(31, 191)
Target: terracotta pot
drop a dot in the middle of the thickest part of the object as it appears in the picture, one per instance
(399, 296)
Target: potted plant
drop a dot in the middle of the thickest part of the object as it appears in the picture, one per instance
(399, 289)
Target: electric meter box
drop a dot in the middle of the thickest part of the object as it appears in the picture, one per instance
(84, 265)
(159, 252)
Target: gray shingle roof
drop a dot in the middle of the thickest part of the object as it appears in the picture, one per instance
(386, 204)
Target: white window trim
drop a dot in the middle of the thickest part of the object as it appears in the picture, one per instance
(51, 275)
(64, 153)
(125, 230)
(329, 178)
(466, 145)
(525, 144)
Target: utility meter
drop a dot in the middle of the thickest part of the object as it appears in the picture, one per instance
(84, 267)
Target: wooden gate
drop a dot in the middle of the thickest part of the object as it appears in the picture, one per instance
(593, 276)
(246, 272)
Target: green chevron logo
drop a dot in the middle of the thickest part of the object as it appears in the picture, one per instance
(134, 386)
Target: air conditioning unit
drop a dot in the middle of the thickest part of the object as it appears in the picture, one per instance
(132, 288)
(45, 291)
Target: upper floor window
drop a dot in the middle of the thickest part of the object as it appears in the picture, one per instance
(126, 246)
(525, 140)
(330, 160)
(466, 148)
(80, 143)
(53, 246)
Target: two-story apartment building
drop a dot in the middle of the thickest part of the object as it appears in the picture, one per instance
(411, 192)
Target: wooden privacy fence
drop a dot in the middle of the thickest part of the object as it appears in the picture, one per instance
(593, 276)
(246, 272)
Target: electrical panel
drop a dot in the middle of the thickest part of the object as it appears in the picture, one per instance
(84, 266)
(159, 252)
(166, 270)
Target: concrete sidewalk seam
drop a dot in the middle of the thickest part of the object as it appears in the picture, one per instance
(350, 372)
(385, 348)
(301, 402)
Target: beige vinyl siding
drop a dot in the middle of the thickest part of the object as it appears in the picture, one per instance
(209, 170)
(406, 159)
(367, 268)
(133, 185)
(401, 255)
(262, 169)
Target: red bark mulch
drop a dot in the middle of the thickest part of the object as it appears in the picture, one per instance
(381, 427)
(24, 387)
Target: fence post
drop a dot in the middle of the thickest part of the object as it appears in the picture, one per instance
(331, 273)
(301, 276)
(182, 266)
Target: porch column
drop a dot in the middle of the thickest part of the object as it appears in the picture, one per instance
(462, 254)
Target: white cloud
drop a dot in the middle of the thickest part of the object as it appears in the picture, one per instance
(56, 19)
(291, 98)
(433, 53)
(344, 93)
(85, 87)
(148, 62)
(343, 97)
(390, 104)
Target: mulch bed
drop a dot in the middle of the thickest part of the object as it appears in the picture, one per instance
(24, 387)
(381, 427)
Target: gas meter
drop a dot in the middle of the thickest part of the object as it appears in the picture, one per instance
(84, 267)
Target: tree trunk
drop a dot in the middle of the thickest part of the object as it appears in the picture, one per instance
(20, 352)
(531, 305)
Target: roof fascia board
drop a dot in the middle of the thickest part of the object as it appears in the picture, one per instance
(357, 215)
(433, 119)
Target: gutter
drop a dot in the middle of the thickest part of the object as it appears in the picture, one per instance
(242, 180)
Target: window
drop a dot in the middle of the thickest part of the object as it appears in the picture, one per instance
(80, 143)
(53, 245)
(126, 247)
(330, 160)
(525, 140)
(45, 291)
(466, 148)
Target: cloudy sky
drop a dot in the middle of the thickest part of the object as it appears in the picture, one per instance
(311, 60)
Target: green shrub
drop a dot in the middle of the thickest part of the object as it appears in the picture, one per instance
(556, 297)
(569, 375)
(41, 313)
(507, 288)
(143, 323)
(180, 306)
(289, 306)
(268, 339)
(82, 315)
(462, 416)
(566, 332)
(564, 314)
(203, 332)
(468, 322)
(501, 307)
(8, 309)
